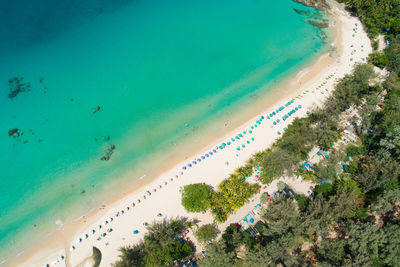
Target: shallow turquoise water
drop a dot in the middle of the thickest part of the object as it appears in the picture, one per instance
(156, 69)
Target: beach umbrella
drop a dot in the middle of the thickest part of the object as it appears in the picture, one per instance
(220, 147)
(292, 101)
(262, 117)
(233, 139)
(154, 190)
(243, 145)
(248, 142)
(207, 155)
(184, 167)
(203, 157)
(194, 162)
(299, 106)
(250, 131)
(215, 151)
(255, 125)
(279, 133)
(296, 108)
(211, 153)
(274, 113)
(72, 248)
(278, 121)
(251, 220)
(244, 132)
(135, 232)
(238, 148)
(190, 165)
(268, 117)
(229, 143)
(252, 139)
(258, 122)
(274, 122)
(240, 135)
(93, 231)
(252, 127)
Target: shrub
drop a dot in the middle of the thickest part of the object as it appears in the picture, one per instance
(195, 197)
(302, 202)
(206, 233)
(378, 59)
(326, 190)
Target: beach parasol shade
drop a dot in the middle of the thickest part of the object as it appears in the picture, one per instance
(252, 139)
(238, 148)
(248, 142)
(250, 131)
(251, 220)
(190, 165)
(279, 132)
(243, 145)
(184, 168)
(135, 232)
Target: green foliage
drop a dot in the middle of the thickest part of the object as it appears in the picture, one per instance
(206, 233)
(393, 54)
(159, 248)
(375, 44)
(332, 251)
(247, 239)
(264, 197)
(196, 197)
(232, 194)
(302, 202)
(326, 190)
(218, 255)
(378, 59)
(353, 150)
(377, 15)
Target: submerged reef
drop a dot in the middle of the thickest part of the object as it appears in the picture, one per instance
(17, 85)
(318, 4)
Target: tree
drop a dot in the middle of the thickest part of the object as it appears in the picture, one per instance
(373, 173)
(217, 255)
(196, 197)
(282, 217)
(159, 248)
(331, 251)
(390, 146)
(325, 189)
(378, 59)
(206, 233)
(367, 240)
(302, 202)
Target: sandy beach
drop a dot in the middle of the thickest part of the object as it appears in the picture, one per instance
(211, 165)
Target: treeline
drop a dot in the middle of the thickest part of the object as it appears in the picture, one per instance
(163, 245)
(354, 220)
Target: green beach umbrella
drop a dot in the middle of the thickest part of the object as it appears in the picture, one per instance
(243, 145)
(252, 139)
(248, 142)
(238, 148)
(250, 131)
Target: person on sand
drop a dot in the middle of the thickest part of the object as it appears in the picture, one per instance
(159, 215)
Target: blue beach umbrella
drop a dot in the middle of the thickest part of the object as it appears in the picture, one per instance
(233, 139)
(203, 157)
(135, 232)
(274, 113)
(207, 155)
(184, 168)
(215, 151)
(279, 133)
(199, 160)
(251, 220)
(211, 153)
(190, 165)
(194, 162)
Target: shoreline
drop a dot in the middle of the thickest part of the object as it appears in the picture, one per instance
(302, 80)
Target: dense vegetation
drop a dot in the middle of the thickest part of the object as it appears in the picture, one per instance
(206, 233)
(354, 220)
(231, 194)
(196, 197)
(162, 246)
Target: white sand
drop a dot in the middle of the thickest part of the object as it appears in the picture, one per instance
(214, 169)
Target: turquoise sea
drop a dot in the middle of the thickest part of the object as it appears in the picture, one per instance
(156, 70)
